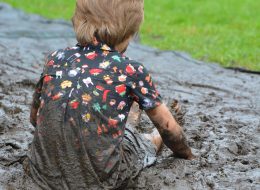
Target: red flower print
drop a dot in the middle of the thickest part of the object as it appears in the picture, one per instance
(101, 88)
(47, 79)
(112, 122)
(121, 89)
(105, 95)
(130, 69)
(116, 135)
(50, 63)
(122, 78)
(57, 96)
(99, 130)
(95, 71)
(74, 104)
(91, 55)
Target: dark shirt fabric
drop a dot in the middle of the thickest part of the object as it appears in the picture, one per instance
(84, 96)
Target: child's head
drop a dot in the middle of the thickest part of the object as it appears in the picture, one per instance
(112, 21)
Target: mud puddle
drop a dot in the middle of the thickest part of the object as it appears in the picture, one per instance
(222, 107)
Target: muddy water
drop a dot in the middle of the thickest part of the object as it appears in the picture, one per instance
(222, 107)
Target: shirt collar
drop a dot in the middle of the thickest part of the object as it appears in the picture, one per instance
(97, 45)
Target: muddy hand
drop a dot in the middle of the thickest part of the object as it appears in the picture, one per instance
(186, 155)
(191, 157)
(195, 154)
(182, 150)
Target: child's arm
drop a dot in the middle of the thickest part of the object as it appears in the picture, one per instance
(36, 102)
(49, 62)
(171, 133)
(33, 116)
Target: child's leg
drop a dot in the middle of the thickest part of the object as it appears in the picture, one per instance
(134, 119)
(156, 139)
(134, 115)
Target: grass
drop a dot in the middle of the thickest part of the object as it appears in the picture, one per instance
(222, 31)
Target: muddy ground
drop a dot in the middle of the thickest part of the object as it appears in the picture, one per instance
(222, 119)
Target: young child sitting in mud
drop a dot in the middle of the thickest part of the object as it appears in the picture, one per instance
(83, 100)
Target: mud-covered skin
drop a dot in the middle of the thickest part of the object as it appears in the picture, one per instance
(33, 116)
(178, 144)
(171, 133)
(221, 121)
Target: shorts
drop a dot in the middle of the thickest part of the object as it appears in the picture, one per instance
(138, 153)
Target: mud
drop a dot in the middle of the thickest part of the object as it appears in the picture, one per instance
(222, 106)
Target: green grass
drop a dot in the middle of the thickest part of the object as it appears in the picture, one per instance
(222, 31)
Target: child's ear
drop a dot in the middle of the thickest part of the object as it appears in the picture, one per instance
(122, 47)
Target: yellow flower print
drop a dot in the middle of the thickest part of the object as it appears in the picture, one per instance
(66, 84)
(106, 48)
(86, 98)
(104, 65)
(108, 79)
(86, 117)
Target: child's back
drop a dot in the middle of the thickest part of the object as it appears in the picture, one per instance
(86, 94)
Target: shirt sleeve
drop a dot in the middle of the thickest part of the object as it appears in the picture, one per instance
(37, 94)
(38, 87)
(143, 89)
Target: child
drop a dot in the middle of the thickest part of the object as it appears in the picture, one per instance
(82, 102)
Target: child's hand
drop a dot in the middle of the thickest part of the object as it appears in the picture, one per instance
(191, 157)
(188, 155)
(181, 150)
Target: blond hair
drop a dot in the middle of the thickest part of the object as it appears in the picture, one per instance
(111, 21)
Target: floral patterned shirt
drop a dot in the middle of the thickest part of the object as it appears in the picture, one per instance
(96, 86)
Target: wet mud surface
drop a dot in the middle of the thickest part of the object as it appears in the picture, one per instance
(222, 120)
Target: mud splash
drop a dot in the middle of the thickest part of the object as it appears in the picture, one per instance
(222, 107)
